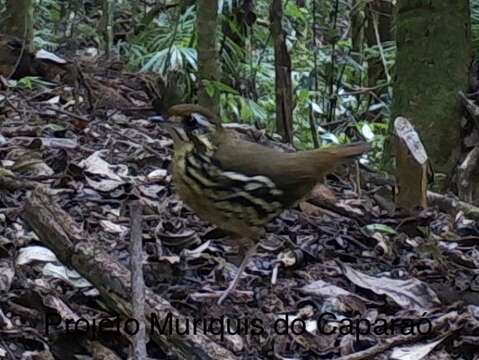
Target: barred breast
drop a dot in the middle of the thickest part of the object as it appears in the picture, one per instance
(232, 201)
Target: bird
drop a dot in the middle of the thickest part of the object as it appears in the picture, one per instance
(239, 185)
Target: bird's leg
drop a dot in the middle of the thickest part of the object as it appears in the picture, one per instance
(234, 282)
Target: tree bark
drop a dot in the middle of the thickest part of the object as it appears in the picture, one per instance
(137, 280)
(283, 84)
(19, 21)
(208, 64)
(411, 167)
(431, 67)
(467, 177)
(357, 32)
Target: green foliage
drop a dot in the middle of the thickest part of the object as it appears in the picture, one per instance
(328, 78)
(43, 39)
(375, 133)
(165, 45)
(29, 83)
(47, 12)
(330, 81)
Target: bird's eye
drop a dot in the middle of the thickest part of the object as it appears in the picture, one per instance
(189, 122)
(201, 121)
(197, 122)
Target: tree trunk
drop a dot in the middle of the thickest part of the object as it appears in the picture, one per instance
(283, 84)
(357, 30)
(431, 67)
(19, 21)
(357, 19)
(208, 64)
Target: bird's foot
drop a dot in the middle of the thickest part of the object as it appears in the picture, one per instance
(234, 283)
(228, 291)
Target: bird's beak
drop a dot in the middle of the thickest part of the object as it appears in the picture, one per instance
(172, 125)
(163, 122)
(157, 119)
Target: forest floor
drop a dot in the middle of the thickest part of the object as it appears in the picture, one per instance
(360, 281)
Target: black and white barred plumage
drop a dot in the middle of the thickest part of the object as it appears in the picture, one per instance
(240, 185)
(252, 199)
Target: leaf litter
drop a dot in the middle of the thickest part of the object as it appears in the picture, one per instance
(342, 264)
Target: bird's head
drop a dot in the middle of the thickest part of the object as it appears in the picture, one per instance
(190, 123)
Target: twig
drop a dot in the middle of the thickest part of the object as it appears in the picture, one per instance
(274, 275)
(137, 282)
(39, 177)
(11, 356)
(331, 206)
(87, 87)
(14, 107)
(10, 182)
(144, 146)
(381, 50)
(361, 90)
(69, 113)
(22, 52)
(357, 173)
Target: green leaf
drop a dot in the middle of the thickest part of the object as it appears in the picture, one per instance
(293, 11)
(29, 83)
(385, 229)
(218, 87)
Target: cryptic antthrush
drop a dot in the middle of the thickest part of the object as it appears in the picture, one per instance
(239, 185)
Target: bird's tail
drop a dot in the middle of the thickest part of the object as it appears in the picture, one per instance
(347, 152)
(323, 161)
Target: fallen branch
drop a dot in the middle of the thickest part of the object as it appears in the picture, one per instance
(451, 204)
(66, 239)
(411, 166)
(362, 219)
(9, 182)
(445, 203)
(465, 175)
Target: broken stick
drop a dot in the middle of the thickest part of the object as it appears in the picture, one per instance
(411, 166)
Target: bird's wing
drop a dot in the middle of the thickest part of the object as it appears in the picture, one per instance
(252, 159)
(295, 174)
